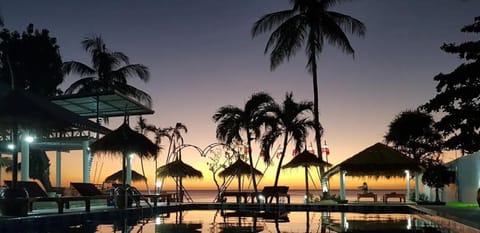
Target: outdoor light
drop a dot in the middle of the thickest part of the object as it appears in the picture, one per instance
(261, 198)
(29, 139)
(11, 146)
(158, 184)
(158, 220)
(409, 222)
(131, 156)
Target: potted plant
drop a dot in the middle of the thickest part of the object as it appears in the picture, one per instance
(14, 202)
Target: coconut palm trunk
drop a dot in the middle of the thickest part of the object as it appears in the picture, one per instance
(252, 171)
(316, 119)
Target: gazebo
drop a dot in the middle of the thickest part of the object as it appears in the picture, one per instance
(375, 161)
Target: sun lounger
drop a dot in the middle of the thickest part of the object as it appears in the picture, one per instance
(400, 196)
(367, 195)
(90, 190)
(37, 194)
(238, 195)
(270, 191)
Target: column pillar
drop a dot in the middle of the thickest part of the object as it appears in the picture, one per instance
(407, 178)
(86, 157)
(58, 179)
(417, 186)
(25, 167)
(342, 184)
(129, 169)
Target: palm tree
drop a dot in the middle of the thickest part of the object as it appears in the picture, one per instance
(293, 122)
(109, 71)
(309, 23)
(232, 122)
(176, 141)
(144, 128)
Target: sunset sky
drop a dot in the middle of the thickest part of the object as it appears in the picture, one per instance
(201, 56)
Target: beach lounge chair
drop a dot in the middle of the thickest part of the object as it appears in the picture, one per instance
(37, 194)
(367, 195)
(270, 191)
(90, 190)
(400, 196)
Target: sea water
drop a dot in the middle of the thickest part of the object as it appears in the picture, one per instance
(296, 196)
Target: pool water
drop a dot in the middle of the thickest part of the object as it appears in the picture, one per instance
(214, 221)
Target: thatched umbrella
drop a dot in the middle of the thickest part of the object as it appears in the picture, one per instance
(178, 169)
(125, 141)
(305, 159)
(118, 177)
(239, 169)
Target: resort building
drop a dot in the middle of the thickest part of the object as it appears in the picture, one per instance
(467, 182)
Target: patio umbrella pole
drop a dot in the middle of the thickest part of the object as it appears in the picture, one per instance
(124, 180)
(306, 184)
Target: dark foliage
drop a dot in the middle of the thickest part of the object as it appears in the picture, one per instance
(34, 60)
(458, 96)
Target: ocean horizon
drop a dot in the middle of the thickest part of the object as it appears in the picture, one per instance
(296, 195)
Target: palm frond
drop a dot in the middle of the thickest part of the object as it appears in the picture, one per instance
(269, 21)
(135, 93)
(286, 40)
(78, 85)
(348, 23)
(132, 70)
(78, 68)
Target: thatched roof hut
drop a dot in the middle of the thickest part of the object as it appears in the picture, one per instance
(377, 160)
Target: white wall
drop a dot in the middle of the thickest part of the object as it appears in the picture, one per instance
(468, 179)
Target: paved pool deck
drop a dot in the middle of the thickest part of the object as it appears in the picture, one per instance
(465, 220)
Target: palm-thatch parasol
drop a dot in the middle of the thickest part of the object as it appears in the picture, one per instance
(118, 177)
(305, 159)
(21, 110)
(178, 169)
(125, 141)
(238, 169)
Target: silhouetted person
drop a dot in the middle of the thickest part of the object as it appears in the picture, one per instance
(364, 187)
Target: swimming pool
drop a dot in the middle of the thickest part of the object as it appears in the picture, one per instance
(225, 221)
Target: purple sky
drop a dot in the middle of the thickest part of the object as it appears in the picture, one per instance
(201, 56)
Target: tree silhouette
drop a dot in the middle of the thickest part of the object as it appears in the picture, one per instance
(292, 121)
(33, 57)
(308, 24)
(412, 132)
(458, 96)
(235, 124)
(110, 70)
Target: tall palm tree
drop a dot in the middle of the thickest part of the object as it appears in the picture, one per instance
(144, 128)
(176, 141)
(235, 124)
(109, 71)
(292, 122)
(309, 24)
